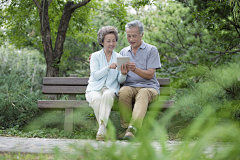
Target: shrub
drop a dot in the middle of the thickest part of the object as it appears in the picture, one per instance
(215, 88)
(20, 80)
(18, 105)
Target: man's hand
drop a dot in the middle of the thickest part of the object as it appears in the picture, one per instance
(124, 69)
(89, 57)
(131, 66)
(148, 74)
(113, 66)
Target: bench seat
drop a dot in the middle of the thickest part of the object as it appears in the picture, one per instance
(58, 104)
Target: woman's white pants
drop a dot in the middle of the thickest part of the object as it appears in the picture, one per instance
(101, 102)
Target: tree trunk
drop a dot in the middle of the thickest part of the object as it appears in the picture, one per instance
(53, 56)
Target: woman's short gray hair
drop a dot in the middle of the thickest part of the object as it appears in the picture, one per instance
(102, 32)
(135, 23)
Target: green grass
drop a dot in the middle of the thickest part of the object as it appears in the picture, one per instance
(17, 156)
(50, 125)
(204, 131)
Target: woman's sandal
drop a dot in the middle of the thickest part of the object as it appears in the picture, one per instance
(100, 137)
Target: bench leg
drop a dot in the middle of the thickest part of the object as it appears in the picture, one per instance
(68, 123)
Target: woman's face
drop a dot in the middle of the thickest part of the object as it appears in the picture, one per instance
(109, 42)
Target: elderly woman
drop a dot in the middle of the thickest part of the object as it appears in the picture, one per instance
(103, 84)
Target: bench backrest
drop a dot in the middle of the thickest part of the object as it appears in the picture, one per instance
(77, 85)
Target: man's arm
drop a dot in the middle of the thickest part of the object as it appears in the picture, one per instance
(89, 58)
(148, 74)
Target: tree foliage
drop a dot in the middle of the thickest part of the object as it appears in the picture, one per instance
(192, 33)
(235, 4)
(76, 53)
(45, 24)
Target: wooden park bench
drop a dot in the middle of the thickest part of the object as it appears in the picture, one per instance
(74, 85)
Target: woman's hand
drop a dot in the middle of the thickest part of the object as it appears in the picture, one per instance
(124, 69)
(113, 66)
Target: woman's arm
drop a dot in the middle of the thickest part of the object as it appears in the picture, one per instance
(96, 72)
(122, 74)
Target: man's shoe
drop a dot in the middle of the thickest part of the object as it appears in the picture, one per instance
(130, 133)
(120, 136)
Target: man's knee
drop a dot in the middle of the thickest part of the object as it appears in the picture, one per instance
(125, 91)
(143, 91)
(146, 93)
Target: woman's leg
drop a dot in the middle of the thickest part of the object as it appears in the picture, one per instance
(94, 100)
(106, 104)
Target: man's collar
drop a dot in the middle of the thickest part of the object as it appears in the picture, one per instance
(143, 45)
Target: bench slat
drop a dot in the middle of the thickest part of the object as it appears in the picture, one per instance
(83, 81)
(82, 89)
(72, 81)
(57, 104)
(64, 89)
(157, 105)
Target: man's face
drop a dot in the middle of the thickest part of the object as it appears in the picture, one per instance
(134, 37)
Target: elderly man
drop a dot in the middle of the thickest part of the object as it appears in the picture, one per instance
(141, 86)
